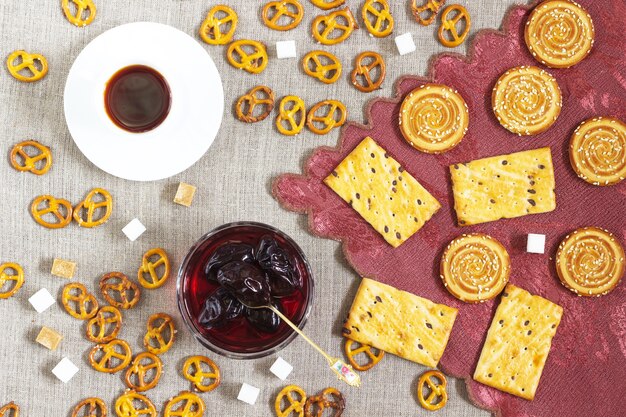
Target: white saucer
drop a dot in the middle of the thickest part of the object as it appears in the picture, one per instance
(196, 109)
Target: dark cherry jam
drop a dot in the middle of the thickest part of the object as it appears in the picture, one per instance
(137, 98)
(248, 262)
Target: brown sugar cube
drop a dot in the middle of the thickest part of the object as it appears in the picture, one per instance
(62, 268)
(49, 338)
(184, 194)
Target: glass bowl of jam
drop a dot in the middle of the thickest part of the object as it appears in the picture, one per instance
(250, 260)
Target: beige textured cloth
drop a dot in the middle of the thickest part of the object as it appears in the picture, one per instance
(233, 181)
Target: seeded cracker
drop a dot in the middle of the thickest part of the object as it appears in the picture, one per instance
(382, 192)
(518, 342)
(504, 186)
(400, 323)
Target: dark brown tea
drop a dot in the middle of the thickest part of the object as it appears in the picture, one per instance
(137, 98)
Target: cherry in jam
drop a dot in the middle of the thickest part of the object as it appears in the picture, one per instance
(226, 254)
(247, 282)
(221, 266)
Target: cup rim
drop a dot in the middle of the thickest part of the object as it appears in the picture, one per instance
(183, 310)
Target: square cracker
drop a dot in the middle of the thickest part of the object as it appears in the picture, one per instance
(504, 186)
(184, 194)
(62, 268)
(49, 338)
(518, 342)
(382, 192)
(399, 322)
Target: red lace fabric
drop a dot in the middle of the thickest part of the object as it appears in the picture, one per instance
(585, 374)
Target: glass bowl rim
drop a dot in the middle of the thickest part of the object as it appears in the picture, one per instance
(182, 308)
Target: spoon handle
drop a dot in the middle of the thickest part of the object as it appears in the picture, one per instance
(297, 330)
(343, 371)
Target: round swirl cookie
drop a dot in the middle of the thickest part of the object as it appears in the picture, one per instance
(597, 151)
(526, 100)
(434, 118)
(559, 33)
(590, 262)
(475, 267)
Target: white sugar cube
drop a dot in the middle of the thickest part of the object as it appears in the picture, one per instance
(405, 43)
(65, 370)
(536, 243)
(285, 49)
(248, 394)
(134, 229)
(41, 300)
(281, 368)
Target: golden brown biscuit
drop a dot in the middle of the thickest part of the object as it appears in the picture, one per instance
(559, 33)
(597, 151)
(590, 262)
(526, 100)
(434, 118)
(475, 267)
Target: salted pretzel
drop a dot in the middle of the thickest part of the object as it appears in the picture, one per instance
(84, 11)
(116, 355)
(427, 12)
(559, 33)
(218, 18)
(105, 326)
(290, 11)
(322, 65)
(333, 115)
(202, 380)
(590, 262)
(353, 351)
(39, 163)
(144, 372)
(329, 398)
(291, 115)
(434, 118)
(185, 404)
(254, 61)
(366, 65)
(119, 291)
(328, 4)
(160, 333)
(151, 262)
(334, 27)
(377, 18)
(597, 151)
(475, 267)
(58, 210)
(437, 390)
(449, 26)
(14, 278)
(90, 407)
(78, 301)
(85, 213)
(36, 64)
(133, 404)
(293, 397)
(526, 100)
(260, 96)
(6, 410)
